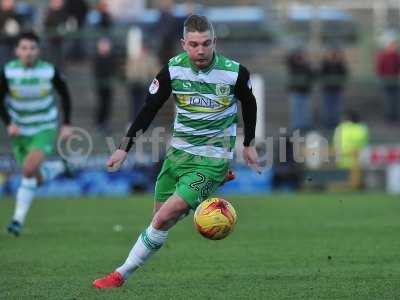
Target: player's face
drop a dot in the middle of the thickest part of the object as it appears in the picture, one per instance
(27, 51)
(199, 47)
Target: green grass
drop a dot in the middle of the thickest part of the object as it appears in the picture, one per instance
(343, 246)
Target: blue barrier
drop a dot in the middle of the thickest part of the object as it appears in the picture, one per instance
(248, 182)
(91, 183)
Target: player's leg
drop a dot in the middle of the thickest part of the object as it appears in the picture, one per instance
(26, 190)
(45, 141)
(148, 243)
(191, 188)
(157, 206)
(50, 170)
(169, 213)
(176, 176)
(30, 151)
(155, 235)
(152, 238)
(164, 200)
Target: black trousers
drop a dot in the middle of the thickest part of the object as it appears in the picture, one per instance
(104, 98)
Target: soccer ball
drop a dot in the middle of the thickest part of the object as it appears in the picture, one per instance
(215, 218)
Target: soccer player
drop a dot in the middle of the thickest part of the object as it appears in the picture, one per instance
(206, 86)
(28, 110)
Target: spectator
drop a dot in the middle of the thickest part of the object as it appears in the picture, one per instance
(350, 137)
(55, 25)
(104, 19)
(141, 67)
(77, 11)
(104, 72)
(388, 70)
(333, 75)
(300, 86)
(287, 173)
(10, 27)
(168, 32)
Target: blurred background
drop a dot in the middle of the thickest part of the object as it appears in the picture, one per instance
(328, 70)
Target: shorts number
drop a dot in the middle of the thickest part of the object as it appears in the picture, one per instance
(195, 184)
(206, 189)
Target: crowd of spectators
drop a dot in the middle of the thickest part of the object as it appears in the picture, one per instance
(331, 75)
(79, 31)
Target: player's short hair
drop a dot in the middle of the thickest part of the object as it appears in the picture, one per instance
(197, 23)
(28, 35)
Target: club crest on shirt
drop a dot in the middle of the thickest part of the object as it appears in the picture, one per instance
(222, 89)
(154, 86)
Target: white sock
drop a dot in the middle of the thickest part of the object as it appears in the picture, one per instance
(51, 169)
(146, 245)
(25, 194)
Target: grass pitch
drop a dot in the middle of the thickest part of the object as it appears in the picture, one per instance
(343, 246)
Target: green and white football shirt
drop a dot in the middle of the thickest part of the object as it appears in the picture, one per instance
(29, 99)
(206, 106)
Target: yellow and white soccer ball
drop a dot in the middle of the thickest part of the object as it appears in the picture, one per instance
(215, 218)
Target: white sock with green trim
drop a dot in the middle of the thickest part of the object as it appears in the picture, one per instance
(25, 194)
(146, 245)
(51, 169)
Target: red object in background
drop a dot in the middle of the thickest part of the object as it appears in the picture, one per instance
(392, 155)
(384, 156)
(375, 156)
(388, 64)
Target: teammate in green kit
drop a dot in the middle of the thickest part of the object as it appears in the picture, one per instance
(28, 110)
(206, 87)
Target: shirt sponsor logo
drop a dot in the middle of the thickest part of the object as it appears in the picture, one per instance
(204, 102)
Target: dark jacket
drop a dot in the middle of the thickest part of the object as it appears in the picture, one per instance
(300, 74)
(104, 68)
(77, 9)
(55, 24)
(333, 75)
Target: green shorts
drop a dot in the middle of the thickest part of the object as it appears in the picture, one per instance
(44, 140)
(192, 177)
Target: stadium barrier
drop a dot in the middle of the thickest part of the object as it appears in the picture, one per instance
(94, 181)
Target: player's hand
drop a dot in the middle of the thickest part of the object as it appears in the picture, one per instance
(65, 132)
(12, 130)
(116, 160)
(251, 158)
